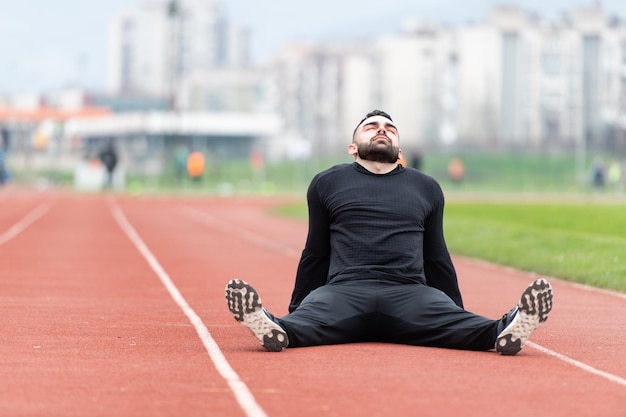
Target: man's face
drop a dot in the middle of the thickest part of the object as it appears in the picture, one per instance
(376, 140)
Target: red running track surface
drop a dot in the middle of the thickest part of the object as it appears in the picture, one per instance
(114, 306)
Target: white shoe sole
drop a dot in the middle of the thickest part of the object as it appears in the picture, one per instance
(246, 306)
(534, 306)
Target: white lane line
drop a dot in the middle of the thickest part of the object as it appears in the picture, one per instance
(256, 239)
(578, 364)
(272, 245)
(26, 221)
(243, 395)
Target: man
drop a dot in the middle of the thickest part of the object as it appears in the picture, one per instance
(4, 145)
(108, 156)
(375, 266)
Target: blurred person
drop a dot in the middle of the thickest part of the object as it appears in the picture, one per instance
(597, 174)
(4, 138)
(181, 154)
(614, 176)
(416, 160)
(4, 145)
(375, 266)
(108, 157)
(195, 165)
(456, 170)
(3, 170)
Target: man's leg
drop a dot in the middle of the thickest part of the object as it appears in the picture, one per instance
(419, 315)
(439, 322)
(334, 314)
(331, 314)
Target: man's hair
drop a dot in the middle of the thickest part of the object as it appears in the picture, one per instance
(371, 114)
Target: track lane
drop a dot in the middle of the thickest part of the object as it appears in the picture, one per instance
(337, 381)
(584, 324)
(14, 206)
(245, 399)
(89, 330)
(141, 356)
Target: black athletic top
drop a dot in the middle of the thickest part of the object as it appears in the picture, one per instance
(375, 226)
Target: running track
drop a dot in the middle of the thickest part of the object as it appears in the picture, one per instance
(114, 306)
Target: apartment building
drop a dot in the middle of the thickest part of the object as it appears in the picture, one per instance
(155, 46)
(514, 81)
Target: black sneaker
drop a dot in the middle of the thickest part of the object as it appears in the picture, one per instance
(246, 306)
(532, 310)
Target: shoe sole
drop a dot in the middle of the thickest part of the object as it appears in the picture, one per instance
(534, 306)
(246, 306)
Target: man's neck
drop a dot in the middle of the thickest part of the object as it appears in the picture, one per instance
(376, 167)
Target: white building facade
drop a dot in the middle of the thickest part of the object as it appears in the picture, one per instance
(155, 46)
(515, 81)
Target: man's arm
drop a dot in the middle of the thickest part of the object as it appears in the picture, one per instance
(438, 267)
(313, 266)
(441, 275)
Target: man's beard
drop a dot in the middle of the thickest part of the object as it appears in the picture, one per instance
(375, 151)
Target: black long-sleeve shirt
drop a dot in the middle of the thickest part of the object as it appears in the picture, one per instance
(375, 226)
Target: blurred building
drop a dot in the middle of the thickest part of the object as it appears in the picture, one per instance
(416, 82)
(323, 90)
(514, 81)
(239, 90)
(307, 91)
(178, 49)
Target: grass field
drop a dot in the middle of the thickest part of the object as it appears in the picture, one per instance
(580, 242)
(585, 243)
(484, 172)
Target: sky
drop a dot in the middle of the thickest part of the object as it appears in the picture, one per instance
(46, 45)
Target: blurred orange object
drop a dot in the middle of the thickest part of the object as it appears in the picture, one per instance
(195, 164)
(456, 169)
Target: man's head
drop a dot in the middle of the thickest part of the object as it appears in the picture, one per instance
(371, 114)
(376, 138)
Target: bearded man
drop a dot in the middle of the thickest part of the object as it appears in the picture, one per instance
(375, 266)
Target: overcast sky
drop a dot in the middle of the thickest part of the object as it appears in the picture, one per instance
(50, 44)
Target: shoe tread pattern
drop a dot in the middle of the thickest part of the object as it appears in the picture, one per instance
(246, 307)
(537, 300)
(534, 307)
(240, 299)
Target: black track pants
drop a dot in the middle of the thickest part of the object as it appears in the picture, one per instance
(372, 311)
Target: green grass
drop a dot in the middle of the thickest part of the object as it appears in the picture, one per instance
(580, 242)
(584, 243)
(509, 171)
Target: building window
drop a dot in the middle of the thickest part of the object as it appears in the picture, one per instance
(551, 64)
(551, 125)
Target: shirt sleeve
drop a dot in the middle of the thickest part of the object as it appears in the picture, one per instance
(313, 266)
(438, 266)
